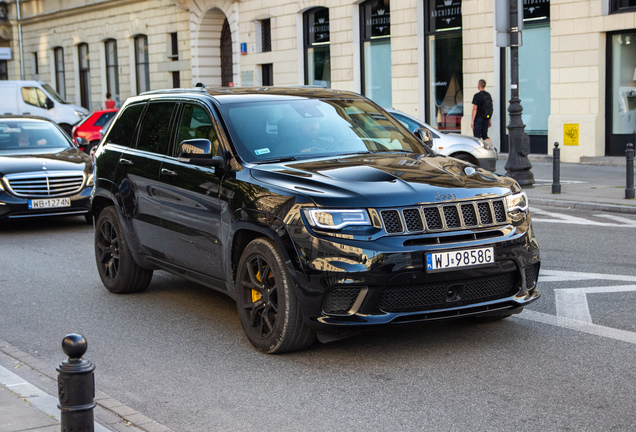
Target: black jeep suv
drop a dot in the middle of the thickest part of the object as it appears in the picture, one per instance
(314, 209)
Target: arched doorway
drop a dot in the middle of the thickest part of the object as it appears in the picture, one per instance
(214, 30)
(227, 73)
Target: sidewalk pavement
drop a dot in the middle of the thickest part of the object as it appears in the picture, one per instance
(598, 186)
(28, 399)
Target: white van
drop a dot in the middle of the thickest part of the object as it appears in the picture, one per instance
(40, 99)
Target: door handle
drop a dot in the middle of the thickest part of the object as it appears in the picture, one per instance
(125, 162)
(168, 172)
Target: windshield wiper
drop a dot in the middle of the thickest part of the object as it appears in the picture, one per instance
(276, 160)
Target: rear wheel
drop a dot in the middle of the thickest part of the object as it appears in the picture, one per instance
(117, 268)
(90, 149)
(267, 303)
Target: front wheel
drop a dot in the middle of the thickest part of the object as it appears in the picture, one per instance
(117, 268)
(267, 303)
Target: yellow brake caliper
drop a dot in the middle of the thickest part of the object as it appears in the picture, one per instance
(256, 296)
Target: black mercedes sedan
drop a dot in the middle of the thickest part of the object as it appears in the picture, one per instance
(42, 173)
(314, 209)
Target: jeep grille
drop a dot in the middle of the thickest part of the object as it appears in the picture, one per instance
(444, 217)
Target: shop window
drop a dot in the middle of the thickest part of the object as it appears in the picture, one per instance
(445, 89)
(375, 27)
(621, 92)
(267, 74)
(317, 47)
(60, 78)
(142, 72)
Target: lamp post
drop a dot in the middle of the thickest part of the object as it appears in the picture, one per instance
(17, 6)
(518, 165)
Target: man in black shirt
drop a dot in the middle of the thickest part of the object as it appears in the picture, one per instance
(482, 111)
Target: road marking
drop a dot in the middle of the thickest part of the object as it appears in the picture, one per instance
(546, 216)
(593, 329)
(572, 308)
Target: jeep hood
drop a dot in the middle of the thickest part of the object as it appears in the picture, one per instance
(384, 180)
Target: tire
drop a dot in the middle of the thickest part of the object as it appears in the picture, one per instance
(268, 308)
(90, 149)
(117, 268)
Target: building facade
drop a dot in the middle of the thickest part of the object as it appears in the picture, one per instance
(577, 65)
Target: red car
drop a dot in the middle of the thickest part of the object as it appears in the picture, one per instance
(90, 126)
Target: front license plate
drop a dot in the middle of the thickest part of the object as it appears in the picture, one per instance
(459, 259)
(49, 203)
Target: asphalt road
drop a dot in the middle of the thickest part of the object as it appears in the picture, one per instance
(177, 353)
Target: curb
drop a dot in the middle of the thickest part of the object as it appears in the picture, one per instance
(111, 414)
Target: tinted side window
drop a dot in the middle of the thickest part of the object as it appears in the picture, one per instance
(154, 136)
(101, 121)
(196, 123)
(123, 131)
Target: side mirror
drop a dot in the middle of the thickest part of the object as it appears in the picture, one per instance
(425, 135)
(81, 142)
(199, 152)
(49, 104)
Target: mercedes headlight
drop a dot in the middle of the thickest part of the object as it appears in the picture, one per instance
(333, 219)
(91, 180)
(517, 202)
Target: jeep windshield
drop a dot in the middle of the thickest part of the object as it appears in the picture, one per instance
(293, 128)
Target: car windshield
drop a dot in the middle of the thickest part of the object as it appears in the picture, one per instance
(51, 91)
(295, 128)
(27, 136)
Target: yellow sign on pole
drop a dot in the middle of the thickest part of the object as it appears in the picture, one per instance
(571, 134)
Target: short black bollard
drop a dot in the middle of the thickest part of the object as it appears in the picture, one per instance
(629, 154)
(556, 169)
(76, 386)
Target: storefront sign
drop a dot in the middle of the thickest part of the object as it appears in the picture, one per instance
(377, 21)
(5, 53)
(319, 29)
(571, 134)
(536, 9)
(445, 15)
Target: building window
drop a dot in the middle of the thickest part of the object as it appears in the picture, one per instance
(60, 78)
(84, 75)
(142, 72)
(4, 73)
(264, 35)
(445, 96)
(375, 26)
(174, 47)
(619, 6)
(317, 47)
(112, 69)
(35, 67)
(227, 68)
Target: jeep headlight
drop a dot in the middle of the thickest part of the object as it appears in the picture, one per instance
(333, 219)
(517, 203)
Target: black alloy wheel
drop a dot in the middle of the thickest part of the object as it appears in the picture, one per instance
(117, 268)
(267, 303)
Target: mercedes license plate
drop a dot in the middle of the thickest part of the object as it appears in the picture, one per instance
(459, 259)
(49, 203)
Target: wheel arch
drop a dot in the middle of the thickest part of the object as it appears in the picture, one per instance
(465, 156)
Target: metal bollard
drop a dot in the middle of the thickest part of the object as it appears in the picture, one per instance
(76, 386)
(556, 169)
(629, 154)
